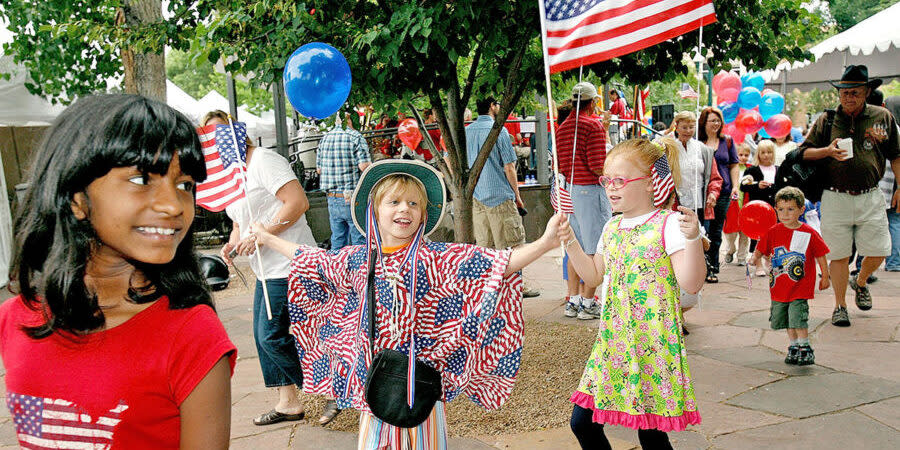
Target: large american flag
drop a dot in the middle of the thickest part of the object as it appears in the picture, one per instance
(44, 423)
(224, 164)
(662, 181)
(583, 32)
(687, 91)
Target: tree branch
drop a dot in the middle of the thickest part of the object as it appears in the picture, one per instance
(473, 71)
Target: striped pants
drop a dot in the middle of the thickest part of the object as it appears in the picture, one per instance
(429, 435)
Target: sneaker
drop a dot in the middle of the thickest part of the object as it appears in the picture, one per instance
(572, 309)
(871, 279)
(741, 263)
(863, 298)
(806, 356)
(529, 292)
(589, 313)
(840, 318)
(729, 258)
(793, 354)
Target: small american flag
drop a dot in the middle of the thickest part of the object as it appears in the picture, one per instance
(564, 205)
(749, 279)
(584, 32)
(662, 181)
(224, 164)
(44, 423)
(687, 91)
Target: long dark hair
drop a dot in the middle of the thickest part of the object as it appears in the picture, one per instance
(91, 137)
(701, 123)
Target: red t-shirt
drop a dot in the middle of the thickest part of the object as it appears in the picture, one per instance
(590, 154)
(514, 129)
(794, 254)
(121, 387)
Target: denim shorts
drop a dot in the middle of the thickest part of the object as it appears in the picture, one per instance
(592, 211)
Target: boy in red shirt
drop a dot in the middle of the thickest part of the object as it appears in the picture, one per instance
(794, 248)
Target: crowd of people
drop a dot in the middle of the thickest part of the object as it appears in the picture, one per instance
(118, 287)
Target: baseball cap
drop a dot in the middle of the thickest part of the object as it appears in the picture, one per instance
(587, 91)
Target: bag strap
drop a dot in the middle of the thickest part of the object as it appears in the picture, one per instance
(829, 122)
(370, 295)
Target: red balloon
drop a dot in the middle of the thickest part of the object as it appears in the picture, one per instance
(729, 88)
(778, 126)
(408, 131)
(756, 218)
(749, 121)
(718, 79)
(730, 129)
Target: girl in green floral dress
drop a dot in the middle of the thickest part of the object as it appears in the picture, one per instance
(637, 374)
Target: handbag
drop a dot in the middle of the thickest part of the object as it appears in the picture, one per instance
(387, 379)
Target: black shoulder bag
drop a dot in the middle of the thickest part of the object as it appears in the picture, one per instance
(802, 174)
(387, 378)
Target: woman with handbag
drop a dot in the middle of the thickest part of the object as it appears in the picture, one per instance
(453, 325)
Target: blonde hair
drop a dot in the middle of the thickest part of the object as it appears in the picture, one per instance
(400, 182)
(765, 144)
(644, 154)
(684, 116)
(223, 116)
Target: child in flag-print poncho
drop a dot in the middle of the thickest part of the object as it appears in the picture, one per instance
(637, 374)
(465, 316)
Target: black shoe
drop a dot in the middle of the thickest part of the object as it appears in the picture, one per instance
(806, 356)
(840, 318)
(684, 331)
(793, 354)
(863, 297)
(871, 279)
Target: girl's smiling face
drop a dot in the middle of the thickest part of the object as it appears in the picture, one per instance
(399, 212)
(766, 156)
(636, 197)
(743, 155)
(138, 216)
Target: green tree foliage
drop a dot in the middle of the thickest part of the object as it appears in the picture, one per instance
(198, 77)
(847, 13)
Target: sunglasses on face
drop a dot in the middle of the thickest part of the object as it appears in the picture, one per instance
(617, 182)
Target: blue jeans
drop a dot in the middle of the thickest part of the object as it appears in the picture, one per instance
(714, 231)
(274, 344)
(343, 232)
(893, 261)
(592, 211)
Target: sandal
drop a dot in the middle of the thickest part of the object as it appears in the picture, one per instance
(273, 416)
(711, 278)
(329, 413)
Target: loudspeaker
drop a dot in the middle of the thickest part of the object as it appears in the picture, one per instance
(664, 114)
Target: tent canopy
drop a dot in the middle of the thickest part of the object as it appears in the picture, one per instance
(874, 42)
(18, 107)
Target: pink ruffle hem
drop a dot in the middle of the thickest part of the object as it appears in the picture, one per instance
(641, 422)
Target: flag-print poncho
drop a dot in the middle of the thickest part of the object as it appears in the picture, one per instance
(468, 319)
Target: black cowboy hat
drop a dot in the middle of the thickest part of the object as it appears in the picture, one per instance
(856, 76)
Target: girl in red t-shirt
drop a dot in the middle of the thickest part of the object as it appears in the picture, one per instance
(113, 340)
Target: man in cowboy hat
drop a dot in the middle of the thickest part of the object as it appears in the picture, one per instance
(852, 206)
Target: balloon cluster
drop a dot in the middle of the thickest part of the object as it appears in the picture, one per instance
(747, 107)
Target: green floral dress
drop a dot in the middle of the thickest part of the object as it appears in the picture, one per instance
(637, 374)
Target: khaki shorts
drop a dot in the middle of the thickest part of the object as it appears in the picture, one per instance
(793, 314)
(861, 218)
(498, 227)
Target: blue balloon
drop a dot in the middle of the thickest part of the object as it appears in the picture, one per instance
(729, 111)
(317, 80)
(772, 103)
(763, 134)
(749, 98)
(753, 79)
(797, 134)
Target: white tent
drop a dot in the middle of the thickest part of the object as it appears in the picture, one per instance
(874, 42)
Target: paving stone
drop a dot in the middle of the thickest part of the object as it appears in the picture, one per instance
(309, 436)
(275, 438)
(885, 411)
(847, 430)
(874, 359)
(247, 378)
(722, 336)
(720, 419)
(807, 396)
(538, 308)
(707, 318)
(763, 358)
(553, 439)
(760, 319)
(251, 405)
(880, 329)
(688, 439)
(717, 381)
(8, 432)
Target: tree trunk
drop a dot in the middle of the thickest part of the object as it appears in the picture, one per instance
(145, 73)
(462, 219)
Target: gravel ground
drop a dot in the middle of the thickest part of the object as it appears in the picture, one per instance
(552, 362)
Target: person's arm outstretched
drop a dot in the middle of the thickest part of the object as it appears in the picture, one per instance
(526, 254)
(285, 247)
(590, 270)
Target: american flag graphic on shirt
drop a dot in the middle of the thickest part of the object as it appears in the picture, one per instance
(662, 181)
(45, 423)
(224, 163)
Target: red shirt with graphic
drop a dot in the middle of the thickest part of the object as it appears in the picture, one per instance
(794, 254)
(121, 387)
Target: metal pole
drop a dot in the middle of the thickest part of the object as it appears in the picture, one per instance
(232, 96)
(281, 134)
(540, 146)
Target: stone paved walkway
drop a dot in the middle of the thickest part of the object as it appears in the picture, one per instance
(748, 397)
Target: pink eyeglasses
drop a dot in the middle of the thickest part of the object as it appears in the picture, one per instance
(617, 182)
